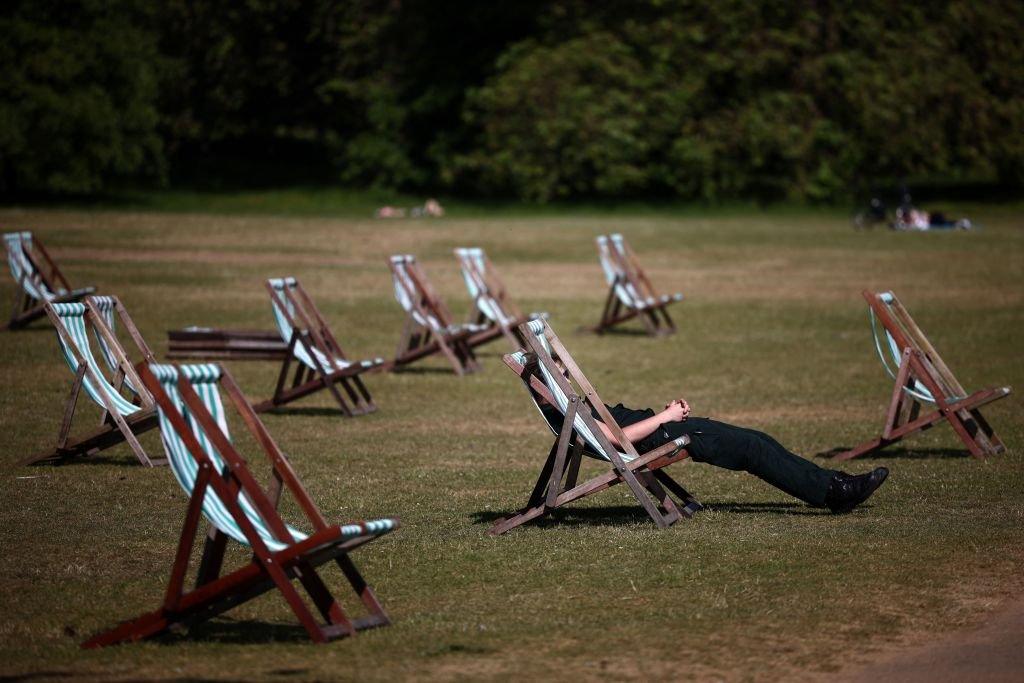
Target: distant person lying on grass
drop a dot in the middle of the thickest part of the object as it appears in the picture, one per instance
(737, 448)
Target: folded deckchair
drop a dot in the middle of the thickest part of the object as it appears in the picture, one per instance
(321, 362)
(39, 279)
(630, 292)
(922, 379)
(123, 418)
(428, 327)
(572, 395)
(222, 489)
(210, 343)
(493, 308)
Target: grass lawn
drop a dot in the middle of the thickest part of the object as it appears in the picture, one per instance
(773, 335)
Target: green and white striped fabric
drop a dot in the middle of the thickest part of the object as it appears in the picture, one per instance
(104, 305)
(284, 327)
(536, 328)
(614, 276)
(204, 378)
(72, 317)
(473, 257)
(404, 284)
(618, 243)
(919, 391)
(24, 272)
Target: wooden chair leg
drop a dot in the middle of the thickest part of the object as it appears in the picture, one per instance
(69, 408)
(368, 405)
(690, 504)
(213, 556)
(650, 322)
(365, 592)
(322, 597)
(670, 510)
(995, 442)
(668, 319)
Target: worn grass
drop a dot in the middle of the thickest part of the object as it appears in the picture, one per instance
(773, 335)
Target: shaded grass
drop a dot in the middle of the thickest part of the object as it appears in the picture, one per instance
(773, 335)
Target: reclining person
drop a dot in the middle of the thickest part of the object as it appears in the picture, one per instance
(738, 448)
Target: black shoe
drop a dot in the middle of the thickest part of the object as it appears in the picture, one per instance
(847, 491)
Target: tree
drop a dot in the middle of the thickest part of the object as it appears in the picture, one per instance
(78, 95)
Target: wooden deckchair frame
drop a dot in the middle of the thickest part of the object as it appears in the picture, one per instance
(488, 281)
(557, 484)
(921, 363)
(418, 341)
(311, 331)
(214, 593)
(126, 320)
(114, 427)
(46, 274)
(654, 316)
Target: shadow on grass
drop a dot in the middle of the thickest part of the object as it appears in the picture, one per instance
(239, 632)
(309, 411)
(423, 370)
(74, 460)
(35, 326)
(900, 452)
(62, 675)
(614, 332)
(766, 509)
(632, 514)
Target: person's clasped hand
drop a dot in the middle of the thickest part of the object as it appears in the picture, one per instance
(677, 411)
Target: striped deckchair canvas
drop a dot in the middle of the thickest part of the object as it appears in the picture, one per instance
(38, 278)
(110, 309)
(221, 489)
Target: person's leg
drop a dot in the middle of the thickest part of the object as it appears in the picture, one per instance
(737, 448)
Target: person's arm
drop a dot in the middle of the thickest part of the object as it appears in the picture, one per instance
(676, 411)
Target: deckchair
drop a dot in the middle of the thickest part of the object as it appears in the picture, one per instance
(221, 488)
(493, 308)
(428, 327)
(575, 398)
(922, 379)
(321, 362)
(630, 292)
(39, 280)
(122, 419)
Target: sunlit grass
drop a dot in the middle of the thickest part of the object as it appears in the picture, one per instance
(773, 335)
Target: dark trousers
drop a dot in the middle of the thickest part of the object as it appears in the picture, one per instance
(737, 448)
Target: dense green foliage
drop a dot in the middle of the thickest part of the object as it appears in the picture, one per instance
(78, 92)
(539, 99)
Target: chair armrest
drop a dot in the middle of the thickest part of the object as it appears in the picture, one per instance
(671, 448)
